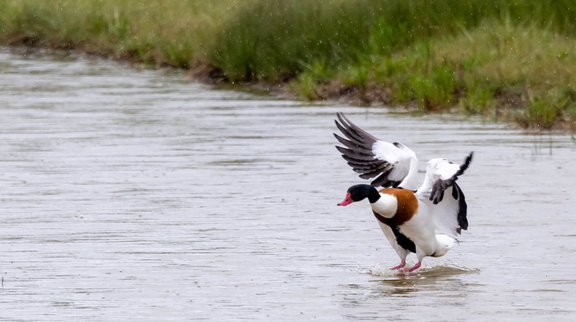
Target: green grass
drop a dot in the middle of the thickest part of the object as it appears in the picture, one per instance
(513, 72)
(501, 59)
(506, 60)
(272, 38)
(174, 33)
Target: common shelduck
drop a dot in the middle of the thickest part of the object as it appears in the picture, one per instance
(424, 220)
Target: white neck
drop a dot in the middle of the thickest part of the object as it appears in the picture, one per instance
(426, 185)
(411, 180)
(386, 205)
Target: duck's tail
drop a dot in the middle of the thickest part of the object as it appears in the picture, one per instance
(443, 244)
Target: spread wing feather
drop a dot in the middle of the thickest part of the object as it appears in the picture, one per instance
(370, 157)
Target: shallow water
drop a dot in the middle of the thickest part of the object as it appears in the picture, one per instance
(137, 195)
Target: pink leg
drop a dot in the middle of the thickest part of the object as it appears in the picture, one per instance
(399, 266)
(414, 267)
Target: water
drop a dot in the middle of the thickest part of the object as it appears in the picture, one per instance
(137, 195)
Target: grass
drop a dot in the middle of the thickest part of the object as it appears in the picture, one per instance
(345, 32)
(171, 33)
(507, 60)
(494, 69)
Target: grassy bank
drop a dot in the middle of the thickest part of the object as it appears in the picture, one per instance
(510, 61)
(174, 33)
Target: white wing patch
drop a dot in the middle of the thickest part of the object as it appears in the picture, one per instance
(444, 197)
(445, 214)
(386, 151)
(441, 169)
(396, 154)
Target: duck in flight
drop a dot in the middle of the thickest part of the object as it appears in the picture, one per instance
(423, 219)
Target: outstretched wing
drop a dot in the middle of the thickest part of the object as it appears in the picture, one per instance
(371, 157)
(448, 203)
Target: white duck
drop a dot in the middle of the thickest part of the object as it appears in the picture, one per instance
(424, 220)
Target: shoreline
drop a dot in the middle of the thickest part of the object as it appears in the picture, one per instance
(345, 94)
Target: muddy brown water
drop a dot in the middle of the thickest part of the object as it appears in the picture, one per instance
(137, 195)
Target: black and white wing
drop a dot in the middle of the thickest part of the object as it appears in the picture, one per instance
(448, 203)
(389, 162)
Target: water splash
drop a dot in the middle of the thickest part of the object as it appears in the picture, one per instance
(427, 270)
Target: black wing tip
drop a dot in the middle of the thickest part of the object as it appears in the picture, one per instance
(440, 185)
(466, 163)
(353, 131)
(469, 158)
(463, 167)
(342, 118)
